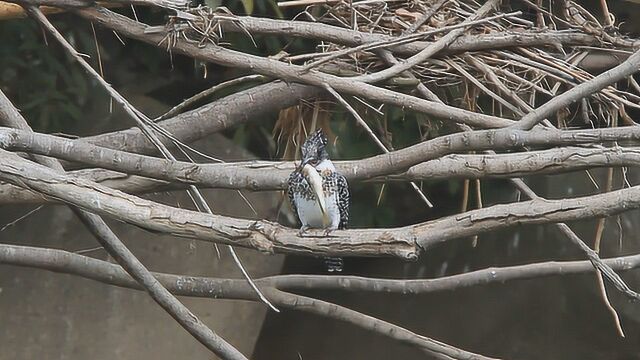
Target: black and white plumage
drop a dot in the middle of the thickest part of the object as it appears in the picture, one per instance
(334, 187)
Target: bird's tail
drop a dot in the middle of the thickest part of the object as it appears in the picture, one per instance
(333, 264)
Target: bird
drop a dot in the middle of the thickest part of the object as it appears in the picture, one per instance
(318, 194)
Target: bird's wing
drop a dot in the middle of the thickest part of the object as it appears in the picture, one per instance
(343, 200)
(295, 179)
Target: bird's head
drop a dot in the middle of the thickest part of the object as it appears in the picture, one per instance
(314, 149)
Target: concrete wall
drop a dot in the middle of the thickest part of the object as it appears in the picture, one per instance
(44, 315)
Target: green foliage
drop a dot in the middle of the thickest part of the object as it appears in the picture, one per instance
(47, 86)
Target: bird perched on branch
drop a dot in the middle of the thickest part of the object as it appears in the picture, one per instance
(318, 194)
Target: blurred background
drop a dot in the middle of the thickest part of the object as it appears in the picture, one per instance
(52, 316)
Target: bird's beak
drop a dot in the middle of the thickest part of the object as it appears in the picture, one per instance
(304, 162)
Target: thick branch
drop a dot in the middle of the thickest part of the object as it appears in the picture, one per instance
(339, 35)
(465, 43)
(219, 115)
(509, 165)
(270, 175)
(253, 175)
(404, 242)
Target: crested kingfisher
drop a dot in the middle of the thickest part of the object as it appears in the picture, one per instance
(319, 195)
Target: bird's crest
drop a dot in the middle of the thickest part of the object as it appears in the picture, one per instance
(316, 141)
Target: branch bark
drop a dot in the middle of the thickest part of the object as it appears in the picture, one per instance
(216, 116)
(65, 262)
(405, 242)
(272, 175)
(253, 175)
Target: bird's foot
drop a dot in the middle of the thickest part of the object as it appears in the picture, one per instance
(303, 230)
(327, 232)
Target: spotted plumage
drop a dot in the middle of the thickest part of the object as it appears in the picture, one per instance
(335, 190)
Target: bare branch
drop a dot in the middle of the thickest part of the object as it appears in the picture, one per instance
(509, 165)
(269, 175)
(607, 78)
(219, 115)
(62, 261)
(465, 43)
(405, 242)
(253, 175)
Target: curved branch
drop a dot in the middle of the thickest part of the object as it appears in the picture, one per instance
(65, 262)
(272, 175)
(405, 242)
(253, 175)
(221, 114)
(465, 43)
(102, 271)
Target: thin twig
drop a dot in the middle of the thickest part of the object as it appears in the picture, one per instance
(206, 93)
(401, 40)
(433, 9)
(20, 218)
(622, 71)
(366, 127)
(430, 50)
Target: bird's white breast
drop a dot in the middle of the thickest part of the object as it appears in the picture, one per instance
(310, 214)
